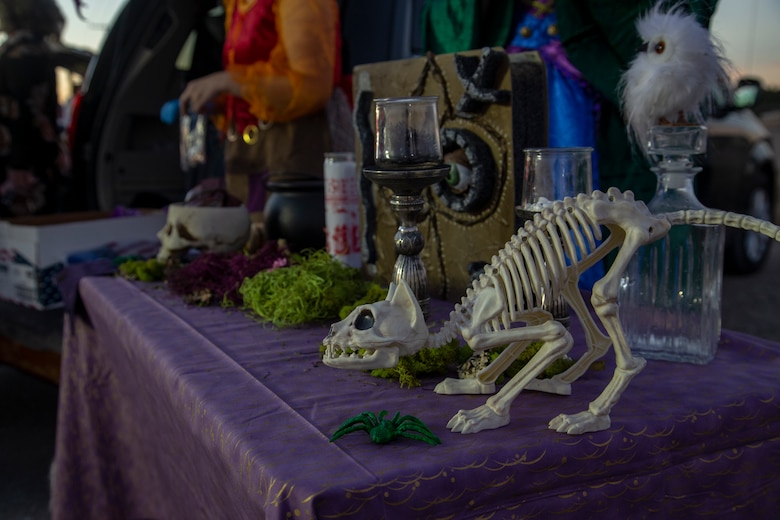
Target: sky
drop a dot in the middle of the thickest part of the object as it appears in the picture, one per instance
(749, 31)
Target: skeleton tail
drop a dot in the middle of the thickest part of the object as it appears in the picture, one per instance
(725, 218)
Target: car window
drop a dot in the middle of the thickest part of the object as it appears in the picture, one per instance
(184, 60)
(745, 96)
(204, 44)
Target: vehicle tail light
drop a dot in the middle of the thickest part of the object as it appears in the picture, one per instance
(74, 118)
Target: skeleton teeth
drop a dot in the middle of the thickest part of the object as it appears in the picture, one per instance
(334, 352)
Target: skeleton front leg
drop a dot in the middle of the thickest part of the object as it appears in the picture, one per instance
(495, 412)
(485, 381)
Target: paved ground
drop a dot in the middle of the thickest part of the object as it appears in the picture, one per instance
(752, 303)
(28, 408)
(28, 404)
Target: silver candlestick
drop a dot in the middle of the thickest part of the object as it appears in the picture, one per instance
(408, 159)
(407, 202)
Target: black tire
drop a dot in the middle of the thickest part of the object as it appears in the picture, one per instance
(747, 251)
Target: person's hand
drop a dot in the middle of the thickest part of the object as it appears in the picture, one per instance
(201, 91)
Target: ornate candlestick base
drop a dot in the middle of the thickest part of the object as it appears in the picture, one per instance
(407, 202)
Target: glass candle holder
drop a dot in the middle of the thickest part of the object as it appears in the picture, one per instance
(551, 174)
(407, 133)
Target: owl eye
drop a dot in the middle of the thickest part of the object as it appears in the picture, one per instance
(365, 320)
(660, 47)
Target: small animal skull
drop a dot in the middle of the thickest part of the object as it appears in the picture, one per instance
(376, 335)
(208, 228)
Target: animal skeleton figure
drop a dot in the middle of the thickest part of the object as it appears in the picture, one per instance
(540, 262)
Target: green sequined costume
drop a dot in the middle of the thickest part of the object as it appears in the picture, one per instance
(458, 25)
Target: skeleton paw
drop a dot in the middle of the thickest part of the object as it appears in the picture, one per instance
(452, 386)
(476, 420)
(582, 422)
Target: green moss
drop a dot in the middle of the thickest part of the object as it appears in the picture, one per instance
(314, 287)
(145, 270)
(374, 294)
(426, 362)
(439, 361)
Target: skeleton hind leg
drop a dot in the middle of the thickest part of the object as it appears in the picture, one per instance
(498, 366)
(604, 299)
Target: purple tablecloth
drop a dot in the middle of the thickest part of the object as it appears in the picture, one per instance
(168, 411)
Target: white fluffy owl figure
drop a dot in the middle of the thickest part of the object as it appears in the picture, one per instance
(675, 72)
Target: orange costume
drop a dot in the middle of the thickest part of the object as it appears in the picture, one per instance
(285, 54)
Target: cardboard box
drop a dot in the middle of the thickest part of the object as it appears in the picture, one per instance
(34, 249)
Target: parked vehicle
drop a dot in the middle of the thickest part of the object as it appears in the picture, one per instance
(123, 154)
(740, 175)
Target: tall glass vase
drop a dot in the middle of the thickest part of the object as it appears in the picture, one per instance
(671, 292)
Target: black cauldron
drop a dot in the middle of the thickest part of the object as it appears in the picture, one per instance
(295, 212)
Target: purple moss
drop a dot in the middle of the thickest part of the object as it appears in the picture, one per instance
(214, 278)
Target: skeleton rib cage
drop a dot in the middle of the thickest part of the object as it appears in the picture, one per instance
(561, 241)
(552, 248)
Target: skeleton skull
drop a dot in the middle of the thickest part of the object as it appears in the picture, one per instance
(209, 228)
(376, 335)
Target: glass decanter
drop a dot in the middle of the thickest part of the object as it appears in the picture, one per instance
(670, 294)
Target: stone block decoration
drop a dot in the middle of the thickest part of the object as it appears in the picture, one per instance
(491, 106)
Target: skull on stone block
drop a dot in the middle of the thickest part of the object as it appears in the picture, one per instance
(208, 228)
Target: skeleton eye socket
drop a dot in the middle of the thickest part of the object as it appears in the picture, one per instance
(365, 320)
(184, 232)
(660, 47)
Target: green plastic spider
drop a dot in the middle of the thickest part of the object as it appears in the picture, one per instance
(384, 430)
